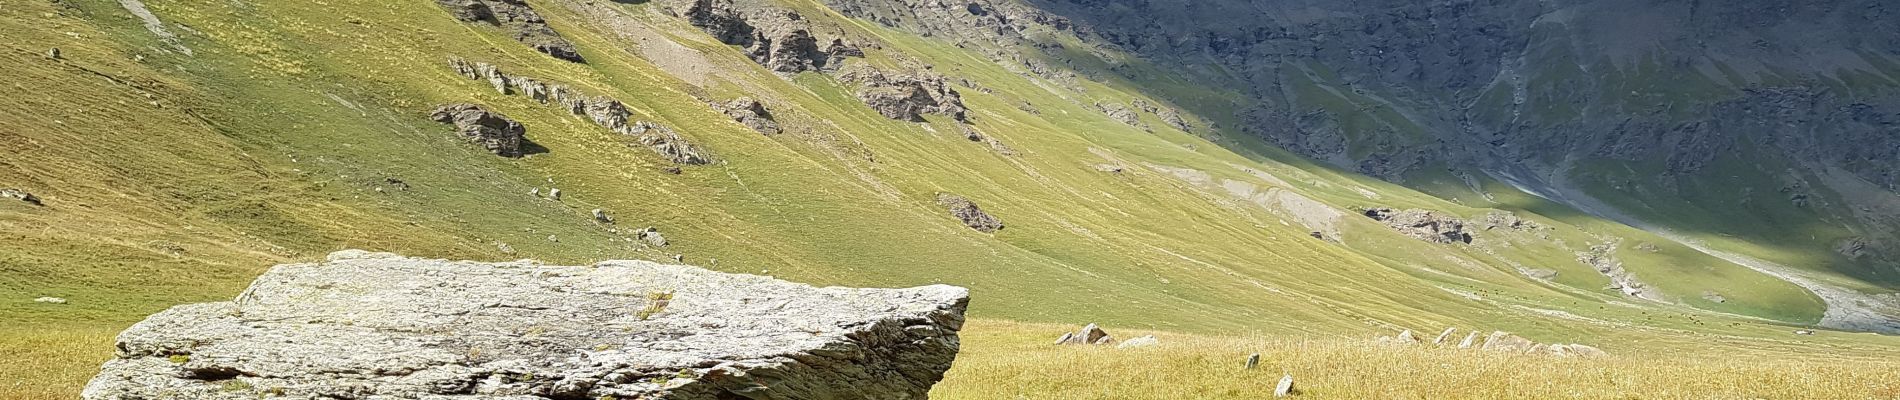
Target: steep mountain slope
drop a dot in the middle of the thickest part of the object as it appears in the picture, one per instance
(179, 147)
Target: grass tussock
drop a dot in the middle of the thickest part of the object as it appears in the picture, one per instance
(1007, 360)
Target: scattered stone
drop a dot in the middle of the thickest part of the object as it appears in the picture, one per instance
(1602, 258)
(652, 237)
(1110, 168)
(968, 212)
(22, 195)
(907, 97)
(1285, 388)
(750, 113)
(605, 112)
(520, 20)
(1120, 113)
(1089, 335)
(1574, 350)
(373, 325)
(1508, 220)
(601, 216)
(1407, 337)
(1505, 342)
(1065, 337)
(1422, 224)
(53, 53)
(679, 258)
(505, 248)
(1253, 360)
(50, 300)
(552, 238)
(493, 131)
(669, 144)
(554, 194)
(1144, 341)
(1470, 340)
(1440, 341)
(1173, 118)
(1804, 332)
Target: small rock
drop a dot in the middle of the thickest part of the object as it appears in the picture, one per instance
(1713, 296)
(50, 300)
(1440, 341)
(1285, 388)
(53, 53)
(1110, 168)
(551, 238)
(652, 237)
(554, 194)
(1804, 332)
(536, 192)
(601, 215)
(1407, 337)
(1143, 341)
(505, 248)
(1470, 340)
(679, 258)
(1253, 360)
(1090, 334)
(968, 212)
(1507, 342)
(22, 195)
(1065, 337)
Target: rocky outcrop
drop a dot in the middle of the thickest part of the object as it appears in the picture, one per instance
(750, 113)
(519, 20)
(491, 130)
(22, 195)
(907, 97)
(1422, 224)
(1120, 113)
(603, 111)
(371, 325)
(967, 211)
(777, 38)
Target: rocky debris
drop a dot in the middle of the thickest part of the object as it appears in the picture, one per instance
(1508, 220)
(750, 113)
(1853, 248)
(52, 54)
(1144, 341)
(1470, 340)
(1804, 332)
(50, 300)
(1574, 350)
(907, 97)
(521, 21)
(1120, 113)
(1285, 387)
(1173, 118)
(603, 111)
(491, 130)
(652, 236)
(375, 325)
(968, 212)
(22, 195)
(1089, 335)
(669, 144)
(1422, 224)
(1602, 258)
(504, 248)
(1253, 361)
(554, 194)
(777, 38)
(602, 217)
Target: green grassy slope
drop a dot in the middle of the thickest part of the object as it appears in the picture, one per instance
(174, 178)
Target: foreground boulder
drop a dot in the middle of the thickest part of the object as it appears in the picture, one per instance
(373, 325)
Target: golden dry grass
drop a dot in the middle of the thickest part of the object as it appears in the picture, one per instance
(1008, 360)
(50, 362)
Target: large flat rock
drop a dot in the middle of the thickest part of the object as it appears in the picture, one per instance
(380, 326)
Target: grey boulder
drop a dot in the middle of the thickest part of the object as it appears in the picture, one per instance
(380, 326)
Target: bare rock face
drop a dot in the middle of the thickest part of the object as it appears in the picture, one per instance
(601, 110)
(521, 22)
(489, 129)
(373, 325)
(1422, 224)
(907, 97)
(750, 113)
(971, 215)
(668, 144)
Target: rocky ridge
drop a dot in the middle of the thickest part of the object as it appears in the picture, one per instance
(520, 20)
(603, 111)
(377, 325)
